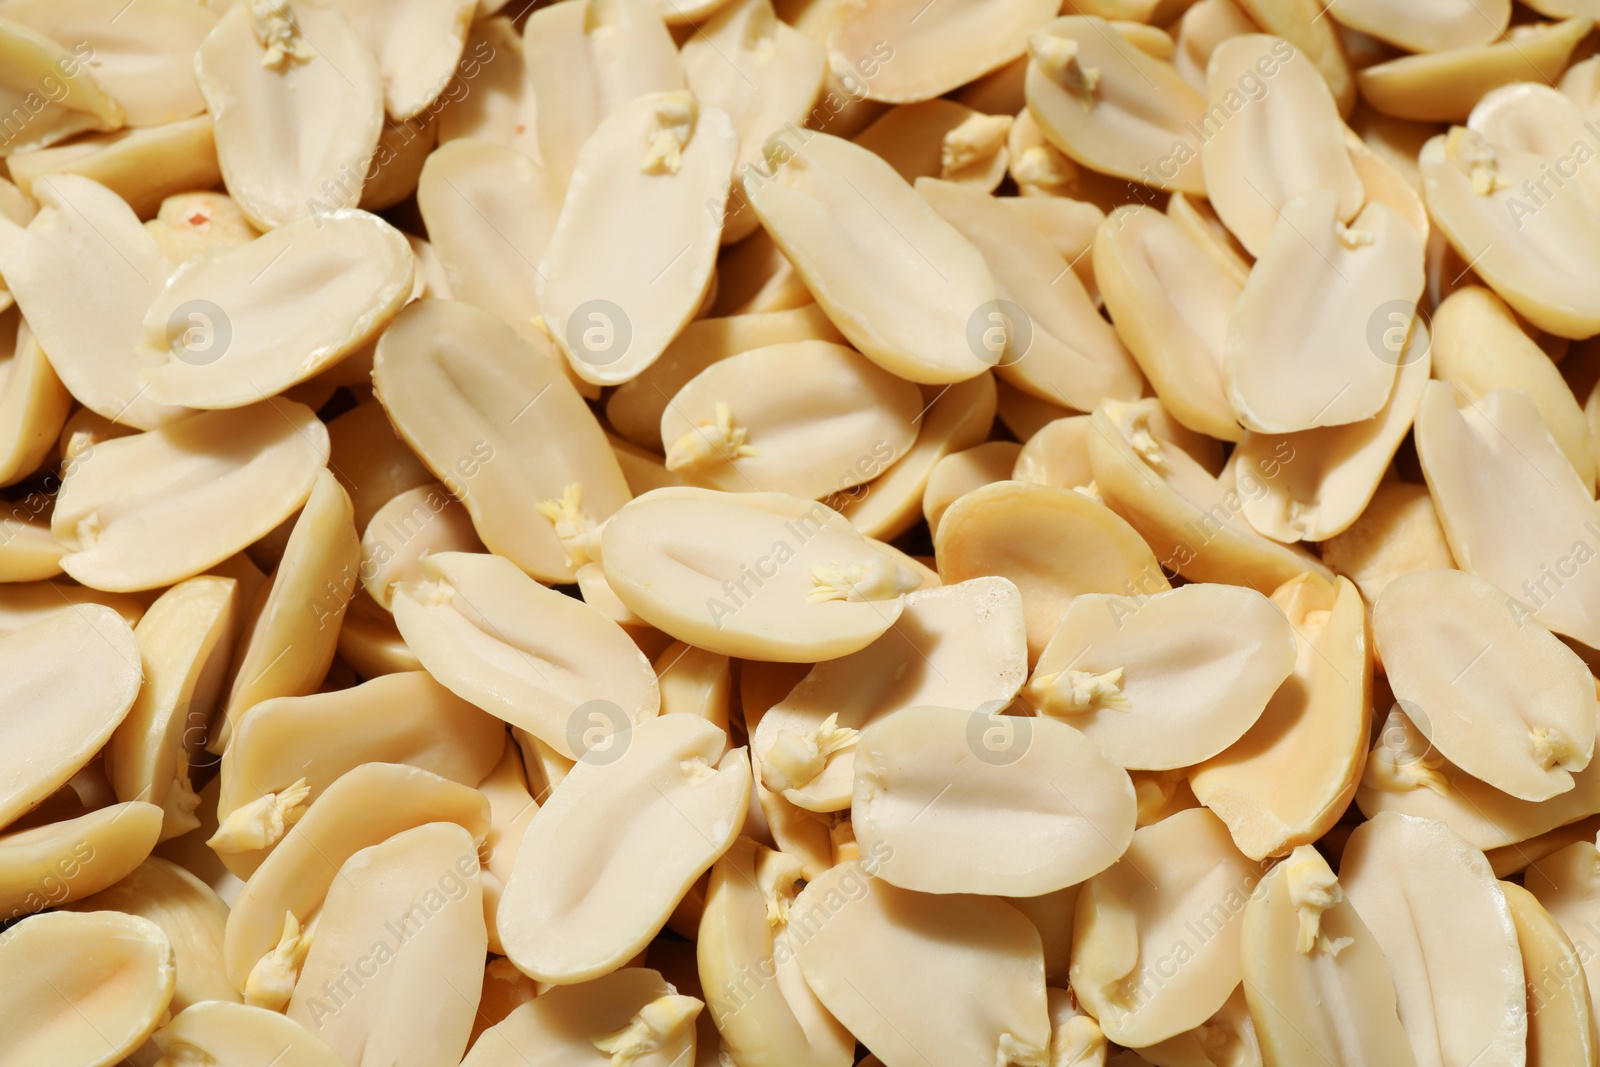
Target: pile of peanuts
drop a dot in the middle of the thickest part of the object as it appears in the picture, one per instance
(799, 533)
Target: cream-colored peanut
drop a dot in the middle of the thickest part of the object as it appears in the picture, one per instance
(1499, 695)
(1265, 152)
(938, 979)
(405, 718)
(1163, 680)
(239, 1033)
(1172, 309)
(490, 211)
(522, 652)
(1111, 107)
(364, 807)
(1511, 505)
(1313, 293)
(1058, 347)
(940, 138)
(1535, 252)
(83, 989)
(290, 643)
(1398, 532)
(649, 183)
(86, 233)
(1312, 485)
(1018, 806)
(411, 910)
(1301, 23)
(497, 421)
(761, 71)
(560, 1025)
(728, 429)
(64, 861)
(570, 912)
(70, 680)
(960, 473)
(1023, 532)
(828, 204)
(744, 931)
(1192, 520)
(1478, 347)
(1458, 974)
(635, 408)
(1434, 27)
(761, 575)
(1443, 86)
(272, 313)
(585, 61)
(1404, 773)
(185, 640)
(1179, 892)
(1263, 785)
(33, 404)
(1560, 1018)
(1315, 978)
(298, 69)
(957, 418)
(920, 59)
(157, 507)
(960, 645)
(30, 57)
(188, 912)
(417, 523)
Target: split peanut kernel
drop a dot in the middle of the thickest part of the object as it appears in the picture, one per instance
(1522, 721)
(997, 804)
(1261, 158)
(1180, 880)
(1393, 869)
(827, 203)
(984, 975)
(83, 988)
(1163, 680)
(956, 645)
(753, 574)
(665, 157)
(519, 651)
(682, 796)
(299, 69)
(1315, 978)
(728, 430)
(1111, 107)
